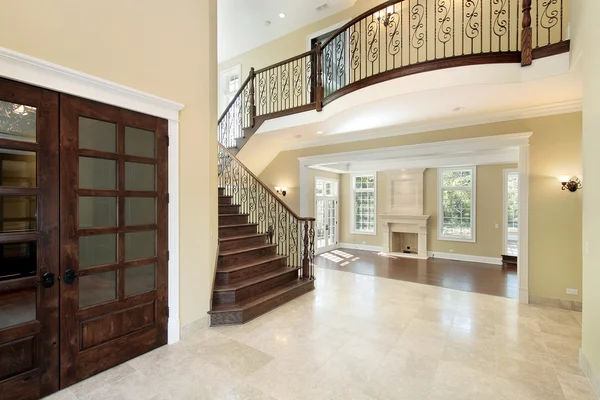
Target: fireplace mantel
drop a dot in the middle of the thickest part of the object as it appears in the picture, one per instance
(405, 224)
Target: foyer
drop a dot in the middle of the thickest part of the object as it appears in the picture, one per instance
(364, 338)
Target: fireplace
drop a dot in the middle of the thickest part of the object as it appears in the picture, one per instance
(404, 225)
(404, 242)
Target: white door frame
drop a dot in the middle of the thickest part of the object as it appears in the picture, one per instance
(337, 212)
(36, 72)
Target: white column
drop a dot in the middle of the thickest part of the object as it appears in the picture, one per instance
(173, 325)
(523, 258)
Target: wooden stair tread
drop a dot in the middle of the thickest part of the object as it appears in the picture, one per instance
(245, 249)
(258, 261)
(248, 236)
(268, 295)
(236, 225)
(255, 279)
(233, 215)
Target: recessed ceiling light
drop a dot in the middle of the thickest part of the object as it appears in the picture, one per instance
(319, 132)
(267, 23)
(458, 109)
(282, 15)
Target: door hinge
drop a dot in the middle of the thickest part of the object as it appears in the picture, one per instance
(168, 198)
(168, 255)
(168, 312)
(168, 141)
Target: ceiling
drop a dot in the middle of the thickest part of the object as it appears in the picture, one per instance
(425, 102)
(241, 23)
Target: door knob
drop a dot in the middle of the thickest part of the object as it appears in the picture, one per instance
(47, 280)
(69, 276)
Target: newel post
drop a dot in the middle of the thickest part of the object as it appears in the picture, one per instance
(305, 256)
(319, 80)
(252, 102)
(526, 36)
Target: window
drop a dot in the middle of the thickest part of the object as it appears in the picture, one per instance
(364, 200)
(511, 212)
(456, 215)
(229, 84)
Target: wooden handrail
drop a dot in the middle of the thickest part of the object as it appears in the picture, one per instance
(237, 94)
(223, 148)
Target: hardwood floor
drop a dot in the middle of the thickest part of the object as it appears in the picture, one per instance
(460, 275)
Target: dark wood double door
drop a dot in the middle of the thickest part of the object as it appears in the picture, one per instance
(83, 238)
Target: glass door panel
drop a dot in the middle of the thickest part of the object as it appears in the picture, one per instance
(29, 260)
(326, 192)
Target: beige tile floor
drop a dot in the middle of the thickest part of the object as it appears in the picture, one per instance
(362, 337)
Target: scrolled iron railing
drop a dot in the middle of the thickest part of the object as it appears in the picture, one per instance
(294, 235)
(395, 39)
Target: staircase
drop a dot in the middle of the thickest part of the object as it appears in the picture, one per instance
(251, 278)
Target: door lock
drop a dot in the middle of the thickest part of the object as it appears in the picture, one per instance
(69, 276)
(47, 280)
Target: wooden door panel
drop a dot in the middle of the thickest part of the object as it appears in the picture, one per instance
(28, 241)
(113, 236)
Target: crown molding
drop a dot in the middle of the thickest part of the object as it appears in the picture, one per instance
(501, 116)
(37, 72)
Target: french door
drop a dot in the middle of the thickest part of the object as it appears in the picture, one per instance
(83, 238)
(326, 214)
(29, 246)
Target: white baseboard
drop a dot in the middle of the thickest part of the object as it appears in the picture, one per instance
(173, 333)
(465, 257)
(524, 296)
(360, 247)
(589, 371)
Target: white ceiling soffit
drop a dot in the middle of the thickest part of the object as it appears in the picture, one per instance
(242, 23)
(501, 149)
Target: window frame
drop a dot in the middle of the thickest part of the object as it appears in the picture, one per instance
(505, 192)
(353, 191)
(440, 199)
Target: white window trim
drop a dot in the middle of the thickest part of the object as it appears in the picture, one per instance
(473, 239)
(506, 172)
(352, 198)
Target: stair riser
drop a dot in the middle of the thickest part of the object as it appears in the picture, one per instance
(233, 219)
(225, 278)
(239, 317)
(242, 258)
(241, 243)
(221, 191)
(224, 201)
(237, 231)
(233, 296)
(229, 209)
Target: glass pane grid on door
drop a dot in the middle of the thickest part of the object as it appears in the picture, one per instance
(117, 199)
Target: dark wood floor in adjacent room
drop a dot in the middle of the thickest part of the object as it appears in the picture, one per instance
(460, 275)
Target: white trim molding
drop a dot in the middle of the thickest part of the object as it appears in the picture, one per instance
(364, 247)
(465, 257)
(41, 73)
(523, 258)
(588, 369)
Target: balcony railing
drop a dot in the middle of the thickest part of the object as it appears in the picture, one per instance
(395, 39)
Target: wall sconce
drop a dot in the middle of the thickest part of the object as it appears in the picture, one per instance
(571, 184)
(281, 191)
(385, 16)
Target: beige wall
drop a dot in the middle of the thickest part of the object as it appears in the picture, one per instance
(591, 192)
(292, 44)
(164, 48)
(489, 203)
(554, 215)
